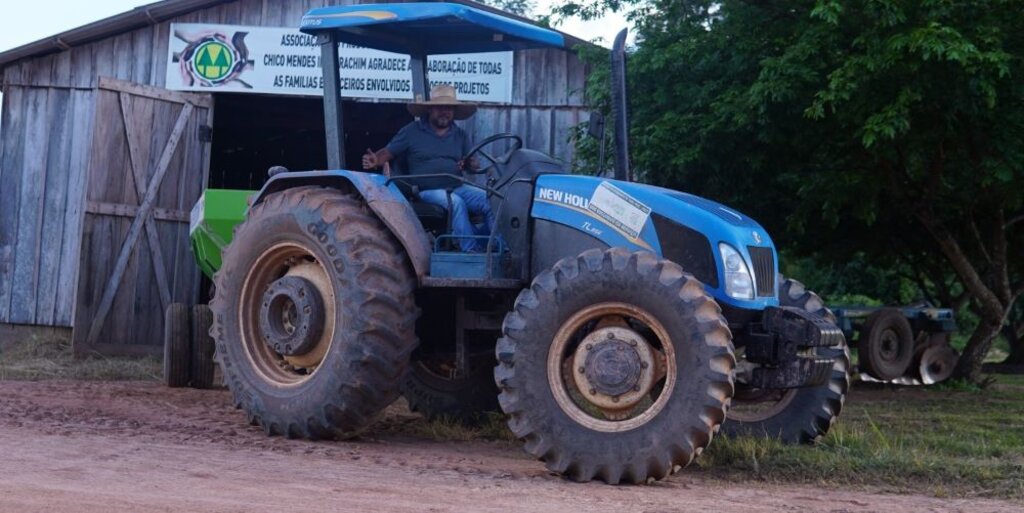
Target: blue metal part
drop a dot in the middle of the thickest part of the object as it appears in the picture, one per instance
(428, 28)
(456, 264)
(384, 199)
(921, 318)
(617, 218)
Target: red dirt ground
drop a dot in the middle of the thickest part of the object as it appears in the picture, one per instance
(122, 446)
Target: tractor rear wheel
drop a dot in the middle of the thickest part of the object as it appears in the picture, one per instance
(314, 316)
(886, 345)
(615, 366)
(797, 415)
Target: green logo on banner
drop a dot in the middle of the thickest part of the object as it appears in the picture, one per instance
(214, 60)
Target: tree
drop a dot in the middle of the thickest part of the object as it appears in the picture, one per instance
(894, 128)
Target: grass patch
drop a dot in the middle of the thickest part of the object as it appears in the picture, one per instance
(35, 360)
(950, 441)
(490, 427)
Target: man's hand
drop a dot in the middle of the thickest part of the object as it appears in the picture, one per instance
(472, 163)
(370, 160)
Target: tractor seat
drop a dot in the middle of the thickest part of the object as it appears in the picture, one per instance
(434, 218)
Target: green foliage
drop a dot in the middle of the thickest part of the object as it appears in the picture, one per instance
(859, 131)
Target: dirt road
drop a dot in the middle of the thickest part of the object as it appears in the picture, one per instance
(100, 447)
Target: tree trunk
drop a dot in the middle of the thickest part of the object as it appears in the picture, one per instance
(992, 298)
(1013, 337)
(969, 365)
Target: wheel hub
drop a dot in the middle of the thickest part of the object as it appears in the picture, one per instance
(889, 349)
(614, 368)
(291, 316)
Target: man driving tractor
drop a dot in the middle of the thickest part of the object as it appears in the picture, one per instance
(433, 144)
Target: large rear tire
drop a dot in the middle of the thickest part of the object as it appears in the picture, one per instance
(796, 415)
(314, 316)
(615, 366)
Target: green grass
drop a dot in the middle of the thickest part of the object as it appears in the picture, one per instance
(940, 440)
(35, 360)
(491, 427)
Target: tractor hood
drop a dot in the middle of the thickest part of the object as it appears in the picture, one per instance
(684, 228)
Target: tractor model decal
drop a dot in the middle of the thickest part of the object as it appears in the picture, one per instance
(212, 60)
(609, 205)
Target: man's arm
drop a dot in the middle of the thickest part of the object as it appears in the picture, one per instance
(398, 145)
(373, 159)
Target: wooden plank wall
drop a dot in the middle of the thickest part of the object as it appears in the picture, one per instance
(48, 104)
(136, 312)
(41, 202)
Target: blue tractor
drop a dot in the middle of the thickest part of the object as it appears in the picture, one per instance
(618, 325)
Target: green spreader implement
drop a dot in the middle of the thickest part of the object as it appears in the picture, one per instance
(211, 222)
(619, 326)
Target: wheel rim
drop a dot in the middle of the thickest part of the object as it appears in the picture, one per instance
(261, 309)
(750, 404)
(623, 379)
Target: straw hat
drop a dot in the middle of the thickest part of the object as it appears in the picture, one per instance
(441, 96)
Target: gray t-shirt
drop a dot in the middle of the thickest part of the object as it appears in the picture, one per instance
(427, 153)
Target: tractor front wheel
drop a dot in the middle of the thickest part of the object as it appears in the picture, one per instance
(795, 415)
(615, 366)
(314, 316)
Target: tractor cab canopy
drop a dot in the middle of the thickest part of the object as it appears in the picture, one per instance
(427, 29)
(414, 29)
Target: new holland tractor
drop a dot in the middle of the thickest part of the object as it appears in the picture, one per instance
(617, 325)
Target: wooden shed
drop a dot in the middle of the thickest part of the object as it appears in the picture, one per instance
(100, 162)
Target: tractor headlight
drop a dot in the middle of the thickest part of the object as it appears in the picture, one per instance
(738, 283)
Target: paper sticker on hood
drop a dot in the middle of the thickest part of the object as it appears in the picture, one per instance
(619, 209)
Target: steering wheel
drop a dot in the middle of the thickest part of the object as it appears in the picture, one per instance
(479, 148)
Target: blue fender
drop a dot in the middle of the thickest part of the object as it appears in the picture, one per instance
(385, 200)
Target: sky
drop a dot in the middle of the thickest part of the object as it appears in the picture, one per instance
(23, 22)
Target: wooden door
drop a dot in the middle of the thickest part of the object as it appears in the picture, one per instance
(148, 164)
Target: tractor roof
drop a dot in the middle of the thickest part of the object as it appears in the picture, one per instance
(428, 28)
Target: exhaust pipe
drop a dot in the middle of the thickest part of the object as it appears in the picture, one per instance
(619, 108)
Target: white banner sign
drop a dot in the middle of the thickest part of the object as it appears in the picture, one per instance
(229, 58)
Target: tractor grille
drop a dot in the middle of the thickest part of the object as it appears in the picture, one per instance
(764, 270)
(688, 248)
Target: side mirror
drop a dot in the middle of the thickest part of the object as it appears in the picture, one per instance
(595, 128)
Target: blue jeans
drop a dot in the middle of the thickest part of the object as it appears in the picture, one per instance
(466, 201)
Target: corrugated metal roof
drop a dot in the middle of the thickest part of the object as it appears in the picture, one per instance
(142, 16)
(152, 14)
